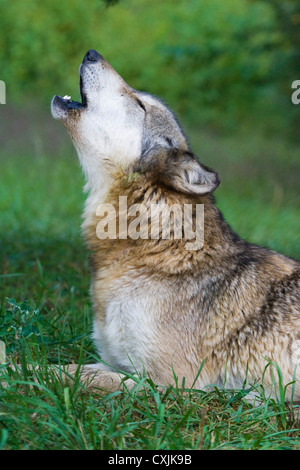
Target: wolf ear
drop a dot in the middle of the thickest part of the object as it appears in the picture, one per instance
(182, 171)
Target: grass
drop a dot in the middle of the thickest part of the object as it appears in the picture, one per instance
(46, 314)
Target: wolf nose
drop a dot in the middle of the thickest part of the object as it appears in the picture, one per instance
(92, 56)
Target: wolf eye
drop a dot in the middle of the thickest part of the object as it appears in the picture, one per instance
(169, 141)
(141, 104)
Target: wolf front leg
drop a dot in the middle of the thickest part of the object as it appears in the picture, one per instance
(96, 379)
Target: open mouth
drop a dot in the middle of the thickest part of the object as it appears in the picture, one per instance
(66, 101)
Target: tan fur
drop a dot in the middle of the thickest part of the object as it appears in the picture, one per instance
(229, 335)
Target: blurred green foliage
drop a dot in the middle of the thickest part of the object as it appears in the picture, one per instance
(287, 20)
(214, 62)
(42, 42)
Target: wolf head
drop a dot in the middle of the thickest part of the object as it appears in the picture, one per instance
(115, 125)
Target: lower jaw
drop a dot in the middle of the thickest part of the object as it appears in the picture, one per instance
(68, 104)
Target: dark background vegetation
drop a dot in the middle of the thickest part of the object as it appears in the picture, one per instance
(226, 69)
(219, 64)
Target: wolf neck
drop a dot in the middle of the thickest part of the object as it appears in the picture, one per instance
(169, 256)
(98, 180)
